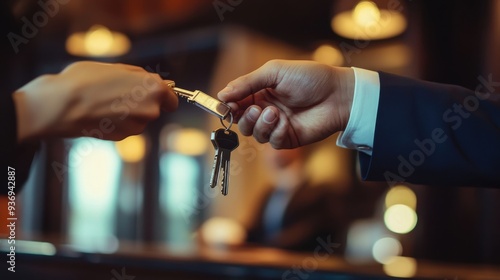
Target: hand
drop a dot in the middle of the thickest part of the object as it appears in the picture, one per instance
(108, 101)
(291, 103)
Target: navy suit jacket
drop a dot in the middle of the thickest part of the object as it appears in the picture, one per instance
(436, 134)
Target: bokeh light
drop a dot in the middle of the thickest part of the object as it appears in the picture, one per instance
(366, 13)
(403, 267)
(132, 148)
(385, 249)
(328, 54)
(400, 218)
(188, 141)
(401, 195)
(98, 41)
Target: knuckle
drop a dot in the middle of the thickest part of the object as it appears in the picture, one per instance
(46, 77)
(273, 63)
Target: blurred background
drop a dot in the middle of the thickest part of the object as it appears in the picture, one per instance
(87, 197)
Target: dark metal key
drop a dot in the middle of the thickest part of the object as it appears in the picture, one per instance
(226, 141)
(216, 165)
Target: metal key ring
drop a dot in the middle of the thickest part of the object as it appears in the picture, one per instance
(230, 122)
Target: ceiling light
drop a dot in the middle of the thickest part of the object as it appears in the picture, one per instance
(366, 21)
(98, 41)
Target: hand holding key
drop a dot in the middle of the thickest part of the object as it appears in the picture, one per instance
(291, 103)
(108, 101)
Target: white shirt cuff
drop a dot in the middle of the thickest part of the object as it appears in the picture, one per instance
(360, 129)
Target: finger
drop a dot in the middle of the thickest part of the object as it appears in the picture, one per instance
(244, 86)
(169, 101)
(265, 124)
(247, 121)
(157, 86)
(279, 138)
(130, 67)
(125, 128)
(238, 108)
(236, 111)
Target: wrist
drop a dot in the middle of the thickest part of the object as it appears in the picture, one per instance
(25, 130)
(31, 112)
(344, 91)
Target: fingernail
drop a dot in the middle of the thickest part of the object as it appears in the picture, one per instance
(253, 114)
(269, 116)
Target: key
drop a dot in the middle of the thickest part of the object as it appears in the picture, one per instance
(226, 141)
(216, 165)
(203, 100)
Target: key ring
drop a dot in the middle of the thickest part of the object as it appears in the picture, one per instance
(227, 128)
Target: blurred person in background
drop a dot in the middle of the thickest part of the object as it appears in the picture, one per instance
(293, 211)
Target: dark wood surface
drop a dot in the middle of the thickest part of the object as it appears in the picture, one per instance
(157, 261)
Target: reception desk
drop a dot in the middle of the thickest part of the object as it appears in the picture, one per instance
(42, 260)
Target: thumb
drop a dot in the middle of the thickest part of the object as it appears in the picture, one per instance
(264, 77)
(169, 101)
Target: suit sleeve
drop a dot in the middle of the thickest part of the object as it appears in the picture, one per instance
(435, 134)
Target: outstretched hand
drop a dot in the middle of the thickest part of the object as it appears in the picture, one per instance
(108, 101)
(291, 103)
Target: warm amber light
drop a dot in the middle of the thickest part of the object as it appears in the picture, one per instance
(188, 141)
(98, 41)
(401, 267)
(132, 148)
(400, 218)
(366, 13)
(222, 231)
(401, 195)
(367, 21)
(328, 55)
